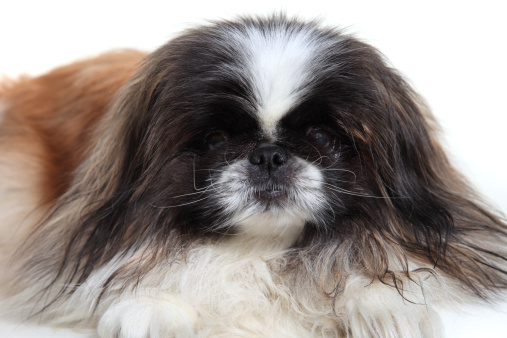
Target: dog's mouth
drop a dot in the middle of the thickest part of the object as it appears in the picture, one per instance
(271, 194)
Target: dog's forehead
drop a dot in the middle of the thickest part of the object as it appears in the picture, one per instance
(277, 62)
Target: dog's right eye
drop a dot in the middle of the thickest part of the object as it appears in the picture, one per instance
(215, 139)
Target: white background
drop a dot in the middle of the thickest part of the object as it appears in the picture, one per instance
(453, 52)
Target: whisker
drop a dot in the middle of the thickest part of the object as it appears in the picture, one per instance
(320, 155)
(347, 192)
(338, 180)
(338, 200)
(331, 208)
(193, 172)
(209, 169)
(337, 169)
(336, 160)
(225, 158)
(363, 195)
(194, 193)
(179, 205)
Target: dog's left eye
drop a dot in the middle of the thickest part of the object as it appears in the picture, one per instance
(322, 136)
(215, 139)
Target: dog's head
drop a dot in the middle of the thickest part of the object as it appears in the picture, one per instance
(265, 127)
(278, 130)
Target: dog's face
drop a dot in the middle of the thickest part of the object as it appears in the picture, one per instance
(268, 129)
(264, 149)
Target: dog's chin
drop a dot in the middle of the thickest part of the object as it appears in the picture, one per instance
(273, 217)
(271, 211)
(274, 224)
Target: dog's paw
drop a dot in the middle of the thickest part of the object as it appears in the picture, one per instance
(378, 310)
(144, 317)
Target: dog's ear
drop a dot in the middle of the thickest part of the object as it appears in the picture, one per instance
(93, 221)
(407, 205)
(433, 213)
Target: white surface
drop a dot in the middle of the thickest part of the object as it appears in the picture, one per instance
(473, 322)
(481, 321)
(10, 330)
(454, 52)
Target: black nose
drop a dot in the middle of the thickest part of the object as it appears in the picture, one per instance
(269, 156)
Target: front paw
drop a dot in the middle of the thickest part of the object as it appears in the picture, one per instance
(378, 310)
(144, 317)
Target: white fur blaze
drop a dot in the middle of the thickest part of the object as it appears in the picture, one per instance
(278, 64)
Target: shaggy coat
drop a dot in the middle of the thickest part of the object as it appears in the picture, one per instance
(259, 177)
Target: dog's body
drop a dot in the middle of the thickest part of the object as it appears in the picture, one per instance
(126, 212)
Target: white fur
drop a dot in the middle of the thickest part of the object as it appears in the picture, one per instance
(235, 195)
(278, 65)
(380, 310)
(146, 316)
(249, 298)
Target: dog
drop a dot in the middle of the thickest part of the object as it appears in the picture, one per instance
(260, 177)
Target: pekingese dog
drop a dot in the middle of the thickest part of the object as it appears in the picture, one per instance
(265, 177)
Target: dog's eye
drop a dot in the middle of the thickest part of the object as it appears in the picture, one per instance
(322, 137)
(215, 139)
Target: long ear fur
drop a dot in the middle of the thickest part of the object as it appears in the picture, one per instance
(441, 218)
(413, 210)
(110, 210)
(430, 211)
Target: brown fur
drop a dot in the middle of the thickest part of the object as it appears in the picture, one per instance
(57, 113)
